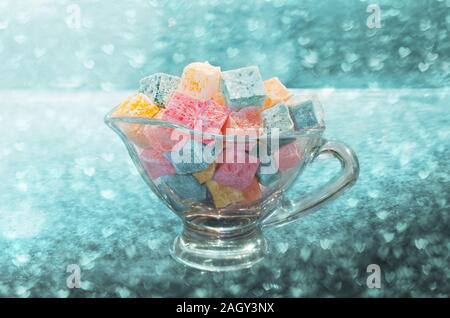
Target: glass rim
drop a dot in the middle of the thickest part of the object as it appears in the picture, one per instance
(113, 120)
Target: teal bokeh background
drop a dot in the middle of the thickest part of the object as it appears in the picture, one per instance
(306, 43)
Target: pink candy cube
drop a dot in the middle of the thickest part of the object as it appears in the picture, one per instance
(245, 120)
(181, 109)
(245, 123)
(156, 164)
(252, 192)
(238, 175)
(211, 117)
(288, 157)
(158, 137)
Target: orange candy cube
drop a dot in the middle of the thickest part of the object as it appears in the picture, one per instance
(276, 92)
(202, 81)
(137, 105)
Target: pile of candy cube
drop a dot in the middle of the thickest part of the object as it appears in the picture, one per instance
(212, 101)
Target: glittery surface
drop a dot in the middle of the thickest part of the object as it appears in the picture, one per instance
(70, 195)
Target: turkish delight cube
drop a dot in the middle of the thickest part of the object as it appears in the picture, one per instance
(181, 109)
(202, 81)
(243, 87)
(307, 113)
(137, 105)
(190, 157)
(158, 87)
(186, 187)
(156, 164)
(205, 175)
(223, 195)
(277, 117)
(246, 119)
(252, 192)
(288, 156)
(211, 117)
(267, 177)
(276, 92)
(235, 172)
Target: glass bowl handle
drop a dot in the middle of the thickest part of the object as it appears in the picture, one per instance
(291, 210)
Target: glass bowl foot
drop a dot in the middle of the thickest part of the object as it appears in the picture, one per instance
(210, 252)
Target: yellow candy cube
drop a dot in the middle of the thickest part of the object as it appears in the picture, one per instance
(276, 92)
(223, 195)
(135, 132)
(137, 105)
(202, 81)
(205, 175)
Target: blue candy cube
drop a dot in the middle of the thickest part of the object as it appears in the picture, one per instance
(306, 113)
(158, 87)
(279, 117)
(186, 187)
(267, 176)
(243, 87)
(190, 158)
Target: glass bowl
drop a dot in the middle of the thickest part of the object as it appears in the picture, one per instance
(224, 217)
